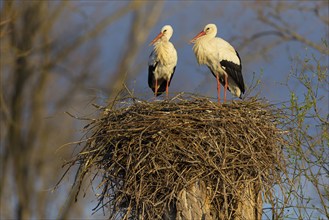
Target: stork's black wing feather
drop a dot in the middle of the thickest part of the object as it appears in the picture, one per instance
(162, 87)
(234, 71)
(151, 78)
(153, 63)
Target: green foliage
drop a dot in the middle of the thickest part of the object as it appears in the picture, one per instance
(304, 191)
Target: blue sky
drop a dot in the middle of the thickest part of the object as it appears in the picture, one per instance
(234, 21)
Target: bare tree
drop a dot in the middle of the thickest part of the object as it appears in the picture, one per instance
(43, 71)
(137, 36)
(304, 191)
(273, 18)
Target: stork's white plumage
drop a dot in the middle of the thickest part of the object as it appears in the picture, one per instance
(162, 61)
(221, 58)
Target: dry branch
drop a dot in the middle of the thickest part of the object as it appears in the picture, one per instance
(153, 155)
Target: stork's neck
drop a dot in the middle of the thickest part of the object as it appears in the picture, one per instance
(201, 48)
(162, 49)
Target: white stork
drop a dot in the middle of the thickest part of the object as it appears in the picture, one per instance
(162, 61)
(221, 58)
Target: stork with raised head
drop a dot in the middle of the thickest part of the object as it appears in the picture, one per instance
(221, 58)
(162, 62)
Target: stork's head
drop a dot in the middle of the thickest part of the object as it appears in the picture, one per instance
(209, 31)
(165, 34)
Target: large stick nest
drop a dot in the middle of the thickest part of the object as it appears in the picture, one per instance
(147, 152)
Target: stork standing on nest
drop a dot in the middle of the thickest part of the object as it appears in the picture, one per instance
(162, 62)
(221, 58)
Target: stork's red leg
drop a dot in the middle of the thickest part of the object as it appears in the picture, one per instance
(218, 88)
(225, 87)
(167, 89)
(156, 88)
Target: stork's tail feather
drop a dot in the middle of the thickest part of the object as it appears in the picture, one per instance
(159, 93)
(161, 89)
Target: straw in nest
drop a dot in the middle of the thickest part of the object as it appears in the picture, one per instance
(148, 152)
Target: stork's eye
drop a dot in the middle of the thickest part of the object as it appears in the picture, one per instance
(207, 29)
(164, 31)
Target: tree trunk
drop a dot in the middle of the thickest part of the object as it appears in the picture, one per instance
(194, 202)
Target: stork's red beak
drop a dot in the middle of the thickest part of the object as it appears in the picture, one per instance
(156, 38)
(197, 36)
